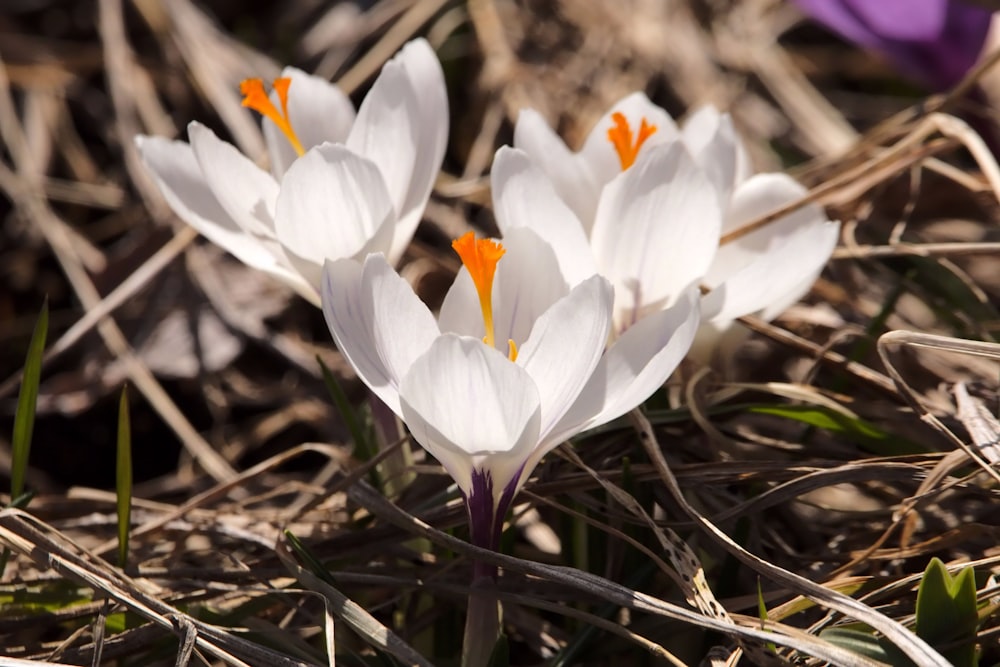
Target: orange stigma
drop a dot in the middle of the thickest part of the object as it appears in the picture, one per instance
(620, 136)
(256, 98)
(480, 257)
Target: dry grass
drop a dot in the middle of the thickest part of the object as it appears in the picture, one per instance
(643, 542)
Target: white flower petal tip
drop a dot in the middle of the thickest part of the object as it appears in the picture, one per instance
(572, 177)
(533, 135)
(717, 148)
(766, 271)
(531, 128)
(770, 268)
(524, 197)
(402, 127)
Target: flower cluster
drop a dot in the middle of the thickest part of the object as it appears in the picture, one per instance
(614, 261)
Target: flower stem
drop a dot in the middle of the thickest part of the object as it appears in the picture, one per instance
(482, 623)
(486, 514)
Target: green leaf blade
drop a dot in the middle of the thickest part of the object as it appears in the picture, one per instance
(866, 434)
(363, 450)
(861, 641)
(123, 477)
(27, 400)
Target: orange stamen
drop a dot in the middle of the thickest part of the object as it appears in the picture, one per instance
(620, 136)
(257, 99)
(480, 257)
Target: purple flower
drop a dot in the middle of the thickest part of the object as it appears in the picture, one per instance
(933, 41)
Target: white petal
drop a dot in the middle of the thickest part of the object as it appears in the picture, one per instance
(378, 323)
(760, 195)
(183, 185)
(426, 80)
(380, 242)
(657, 231)
(468, 405)
(777, 278)
(385, 131)
(712, 140)
(331, 205)
(246, 191)
(523, 196)
(632, 369)
(528, 281)
(176, 172)
(402, 127)
(570, 175)
(319, 111)
(599, 153)
(809, 262)
(565, 346)
(460, 311)
(701, 128)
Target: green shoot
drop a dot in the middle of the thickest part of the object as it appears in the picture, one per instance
(946, 612)
(24, 417)
(123, 478)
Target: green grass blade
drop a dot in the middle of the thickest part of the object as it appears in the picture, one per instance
(308, 558)
(363, 450)
(123, 477)
(867, 435)
(762, 613)
(24, 417)
(501, 653)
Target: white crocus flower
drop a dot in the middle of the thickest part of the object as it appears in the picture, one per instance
(672, 175)
(515, 364)
(340, 185)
